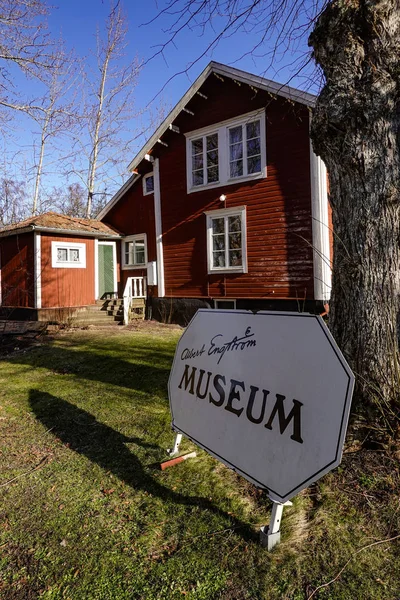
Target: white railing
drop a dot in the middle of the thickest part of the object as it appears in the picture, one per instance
(135, 287)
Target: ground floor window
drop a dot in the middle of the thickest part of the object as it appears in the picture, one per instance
(226, 240)
(134, 251)
(68, 255)
(225, 304)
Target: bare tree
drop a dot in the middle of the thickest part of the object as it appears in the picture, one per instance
(24, 45)
(108, 107)
(57, 116)
(356, 130)
(12, 201)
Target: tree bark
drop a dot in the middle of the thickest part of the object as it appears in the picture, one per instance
(355, 130)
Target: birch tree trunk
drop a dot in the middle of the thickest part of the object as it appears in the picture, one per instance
(356, 131)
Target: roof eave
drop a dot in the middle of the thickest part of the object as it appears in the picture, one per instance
(76, 232)
(285, 91)
(26, 229)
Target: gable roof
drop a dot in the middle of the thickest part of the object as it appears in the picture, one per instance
(277, 89)
(222, 70)
(52, 222)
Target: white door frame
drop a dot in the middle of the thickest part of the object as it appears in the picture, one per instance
(96, 265)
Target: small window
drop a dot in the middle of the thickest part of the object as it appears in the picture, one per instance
(148, 184)
(226, 240)
(68, 255)
(225, 304)
(134, 251)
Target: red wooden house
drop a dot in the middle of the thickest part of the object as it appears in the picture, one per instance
(226, 207)
(227, 204)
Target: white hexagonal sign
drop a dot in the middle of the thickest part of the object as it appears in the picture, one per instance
(267, 393)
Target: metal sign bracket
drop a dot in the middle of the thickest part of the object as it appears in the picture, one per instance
(177, 443)
(270, 535)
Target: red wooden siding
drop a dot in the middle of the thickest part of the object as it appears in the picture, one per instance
(63, 286)
(17, 270)
(279, 231)
(134, 214)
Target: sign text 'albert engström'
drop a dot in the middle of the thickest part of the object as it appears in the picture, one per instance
(268, 394)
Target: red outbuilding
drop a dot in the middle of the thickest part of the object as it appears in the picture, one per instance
(53, 264)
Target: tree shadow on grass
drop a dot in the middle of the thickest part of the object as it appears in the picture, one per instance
(81, 432)
(145, 371)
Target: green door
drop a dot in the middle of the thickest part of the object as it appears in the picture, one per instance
(106, 270)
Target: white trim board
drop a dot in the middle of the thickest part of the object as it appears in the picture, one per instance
(96, 269)
(37, 249)
(320, 228)
(114, 245)
(158, 226)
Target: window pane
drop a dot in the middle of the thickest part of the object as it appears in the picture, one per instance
(253, 147)
(139, 252)
(198, 177)
(236, 169)
(62, 254)
(212, 174)
(253, 130)
(219, 242)
(235, 134)
(149, 184)
(129, 253)
(218, 259)
(235, 241)
(235, 258)
(236, 151)
(197, 146)
(74, 255)
(197, 162)
(234, 223)
(218, 225)
(212, 158)
(254, 164)
(212, 142)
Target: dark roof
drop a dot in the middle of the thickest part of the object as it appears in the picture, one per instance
(52, 221)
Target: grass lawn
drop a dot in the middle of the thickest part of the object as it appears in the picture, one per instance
(86, 515)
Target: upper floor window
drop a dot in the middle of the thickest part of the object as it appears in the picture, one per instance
(148, 184)
(68, 255)
(226, 240)
(134, 251)
(231, 151)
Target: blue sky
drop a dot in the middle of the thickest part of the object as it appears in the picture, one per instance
(76, 21)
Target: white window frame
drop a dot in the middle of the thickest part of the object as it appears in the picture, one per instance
(68, 264)
(133, 238)
(145, 178)
(222, 300)
(216, 214)
(222, 129)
